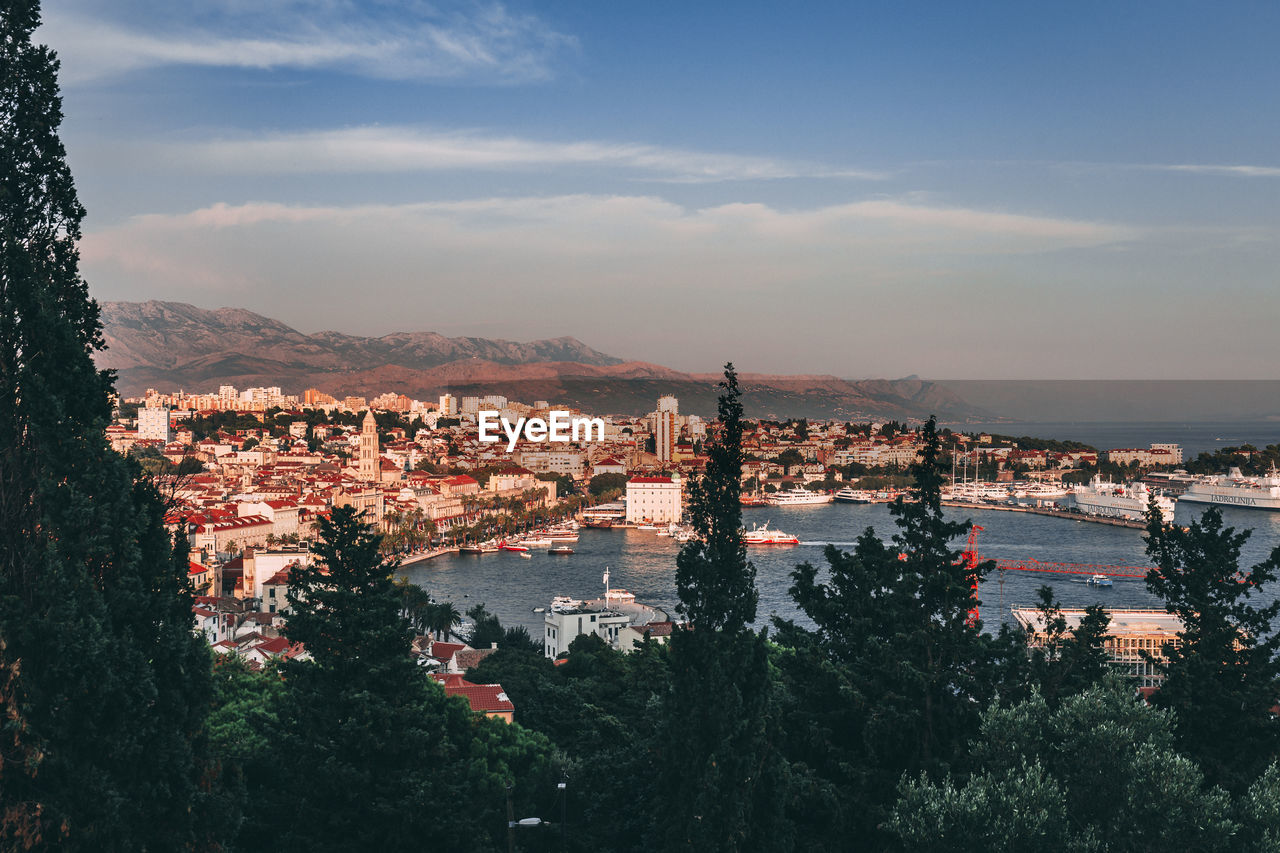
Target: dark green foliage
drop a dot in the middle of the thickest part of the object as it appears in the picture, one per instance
(602, 483)
(1247, 458)
(600, 710)
(891, 678)
(368, 753)
(1223, 679)
(790, 457)
(1027, 442)
(720, 719)
(715, 582)
(1066, 661)
(1099, 773)
(486, 629)
(111, 686)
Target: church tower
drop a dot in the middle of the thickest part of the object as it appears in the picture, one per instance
(369, 468)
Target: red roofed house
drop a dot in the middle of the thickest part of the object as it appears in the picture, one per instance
(608, 465)
(487, 699)
(199, 577)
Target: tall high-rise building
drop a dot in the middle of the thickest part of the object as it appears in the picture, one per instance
(369, 469)
(153, 424)
(448, 405)
(666, 427)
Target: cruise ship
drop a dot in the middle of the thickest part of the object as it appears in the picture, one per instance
(1115, 500)
(1235, 489)
(798, 497)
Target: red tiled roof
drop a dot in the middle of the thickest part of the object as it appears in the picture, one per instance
(445, 651)
(483, 698)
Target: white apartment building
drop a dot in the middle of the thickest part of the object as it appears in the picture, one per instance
(654, 498)
(570, 462)
(562, 626)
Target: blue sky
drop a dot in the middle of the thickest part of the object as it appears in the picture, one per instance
(986, 190)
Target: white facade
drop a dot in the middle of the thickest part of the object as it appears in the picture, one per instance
(562, 627)
(153, 423)
(656, 499)
(260, 566)
(570, 462)
(448, 405)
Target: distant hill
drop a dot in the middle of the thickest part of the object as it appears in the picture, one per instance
(172, 345)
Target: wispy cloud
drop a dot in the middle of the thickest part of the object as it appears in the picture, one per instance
(615, 231)
(1239, 171)
(406, 40)
(406, 149)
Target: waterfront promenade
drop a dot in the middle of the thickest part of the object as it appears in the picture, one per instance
(422, 556)
(1052, 512)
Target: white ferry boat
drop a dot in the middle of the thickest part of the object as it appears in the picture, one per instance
(850, 495)
(760, 534)
(1235, 489)
(1046, 490)
(1116, 500)
(798, 497)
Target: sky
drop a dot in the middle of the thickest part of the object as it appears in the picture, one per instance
(954, 190)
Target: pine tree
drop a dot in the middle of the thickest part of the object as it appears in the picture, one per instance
(95, 611)
(721, 713)
(1222, 679)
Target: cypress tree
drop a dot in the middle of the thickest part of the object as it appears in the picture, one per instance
(110, 685)
(727, 784)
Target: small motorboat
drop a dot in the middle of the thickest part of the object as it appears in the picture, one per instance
(526, 555)
(560, 549)
(1099, 580)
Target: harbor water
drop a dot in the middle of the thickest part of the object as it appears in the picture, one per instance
(644, 563)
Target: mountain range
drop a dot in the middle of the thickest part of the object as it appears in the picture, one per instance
(173, 345)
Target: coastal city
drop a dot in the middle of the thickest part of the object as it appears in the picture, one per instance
(502, 426)
(250, 471)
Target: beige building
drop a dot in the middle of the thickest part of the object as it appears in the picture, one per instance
(1131, 633)
(368, 466)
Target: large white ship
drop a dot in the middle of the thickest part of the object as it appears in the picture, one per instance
(1235, 489)
(1115, 500)
(798, 497)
